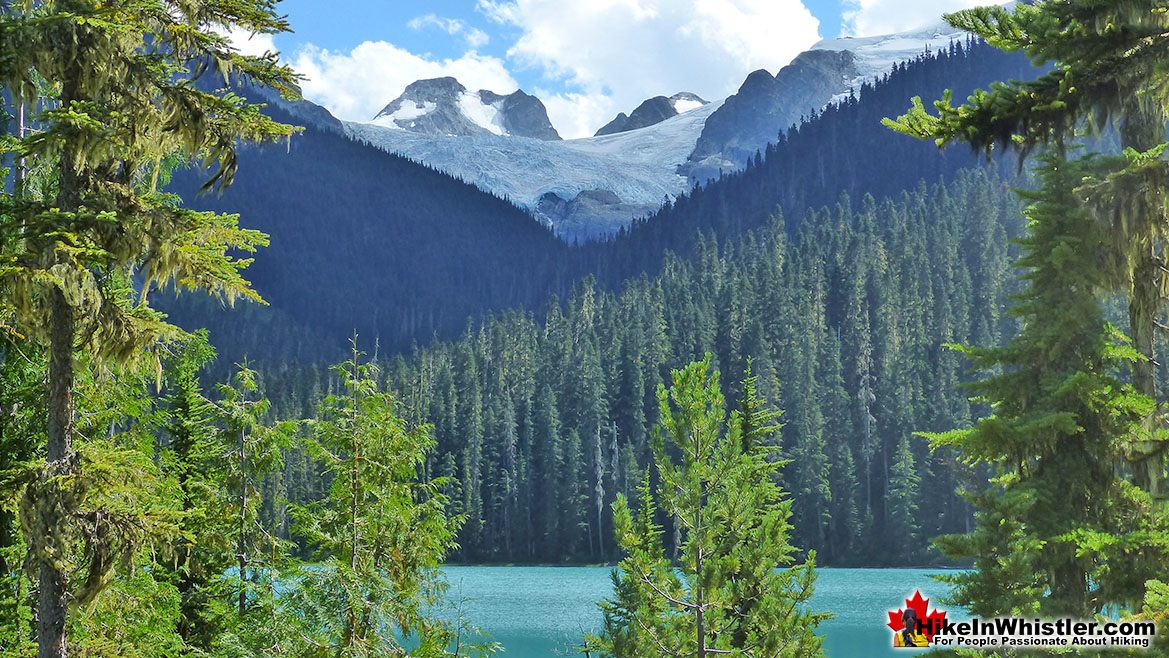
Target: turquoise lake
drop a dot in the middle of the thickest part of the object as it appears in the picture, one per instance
(540, 612)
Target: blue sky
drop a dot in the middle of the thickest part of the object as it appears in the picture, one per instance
(343, 24)
(586, 59)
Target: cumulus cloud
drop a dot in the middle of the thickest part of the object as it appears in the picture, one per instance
(577, 114)
(474, 37)
(875, 17)
(248, 43)
(358, 84)
(612, 54)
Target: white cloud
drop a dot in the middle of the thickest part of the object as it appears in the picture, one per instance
(477, 38)
(875, 17)
(613, 54)
(474, 37)
(248, 43)
(358, 84)
(578, 115)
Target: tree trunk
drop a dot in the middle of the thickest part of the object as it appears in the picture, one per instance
(699, 596)
(54, 595)
(1143, 129)
(1148, 466)
(241, 543)
(355, 483)
(19, 172)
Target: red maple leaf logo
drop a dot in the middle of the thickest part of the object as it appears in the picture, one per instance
(930, 623)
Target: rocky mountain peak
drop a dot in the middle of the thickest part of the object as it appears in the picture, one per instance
(444, 107)
(652, 112)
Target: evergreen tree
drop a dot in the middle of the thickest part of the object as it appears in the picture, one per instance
(251, 451)
(21, 433)
(904, 483)
(189, 455)
(734, 589)
(380, 534)
(1109, 72)
(122, 100)
(1058, 531)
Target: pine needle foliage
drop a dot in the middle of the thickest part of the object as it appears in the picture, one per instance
(112, 96)
(380, 534)
(1059, 530)
(1110, 71)
(736, 588)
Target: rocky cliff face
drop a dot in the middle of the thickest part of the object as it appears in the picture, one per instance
(766, 106)
(522, 115)
(444, 107)
(652, 112)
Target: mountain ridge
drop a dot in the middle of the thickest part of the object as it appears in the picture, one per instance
(652, 112)
(590, 188)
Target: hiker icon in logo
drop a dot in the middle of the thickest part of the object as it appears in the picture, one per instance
(915, 626)
(911, 635)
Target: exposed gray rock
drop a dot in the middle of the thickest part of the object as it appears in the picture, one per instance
(523, 115)
(438, 107)
(766, 106)
(649, 113)
(432, 107)
(591, 215)
(619, 124)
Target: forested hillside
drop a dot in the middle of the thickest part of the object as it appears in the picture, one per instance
(842, 151)
(541, 422)
(366, 240)
(542, 408)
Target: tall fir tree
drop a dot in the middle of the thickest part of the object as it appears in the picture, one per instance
(1059, 531)
(379, 535)
(118, 97)
(735, 589)
(1109, 72)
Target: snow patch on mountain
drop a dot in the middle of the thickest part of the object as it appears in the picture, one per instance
(685, 101)
(876, 56)
(405, 115)
(484, 115)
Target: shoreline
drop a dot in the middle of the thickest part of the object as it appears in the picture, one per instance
(521, 565)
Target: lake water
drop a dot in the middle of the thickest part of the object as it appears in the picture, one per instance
(540, 612)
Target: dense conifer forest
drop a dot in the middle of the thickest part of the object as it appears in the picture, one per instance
(540, 423)
(718, 271)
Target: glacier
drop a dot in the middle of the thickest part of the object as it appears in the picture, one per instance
(640, 168)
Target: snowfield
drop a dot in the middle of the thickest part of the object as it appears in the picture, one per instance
(603, 183)
(639, 166)
(481, 114)
(407, 113)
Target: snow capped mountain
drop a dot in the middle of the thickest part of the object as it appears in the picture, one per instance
(581, 188)
(685, 101)
(444, 107)
(768, 105)
(653, 111)
(589, 188)
(765, 106)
